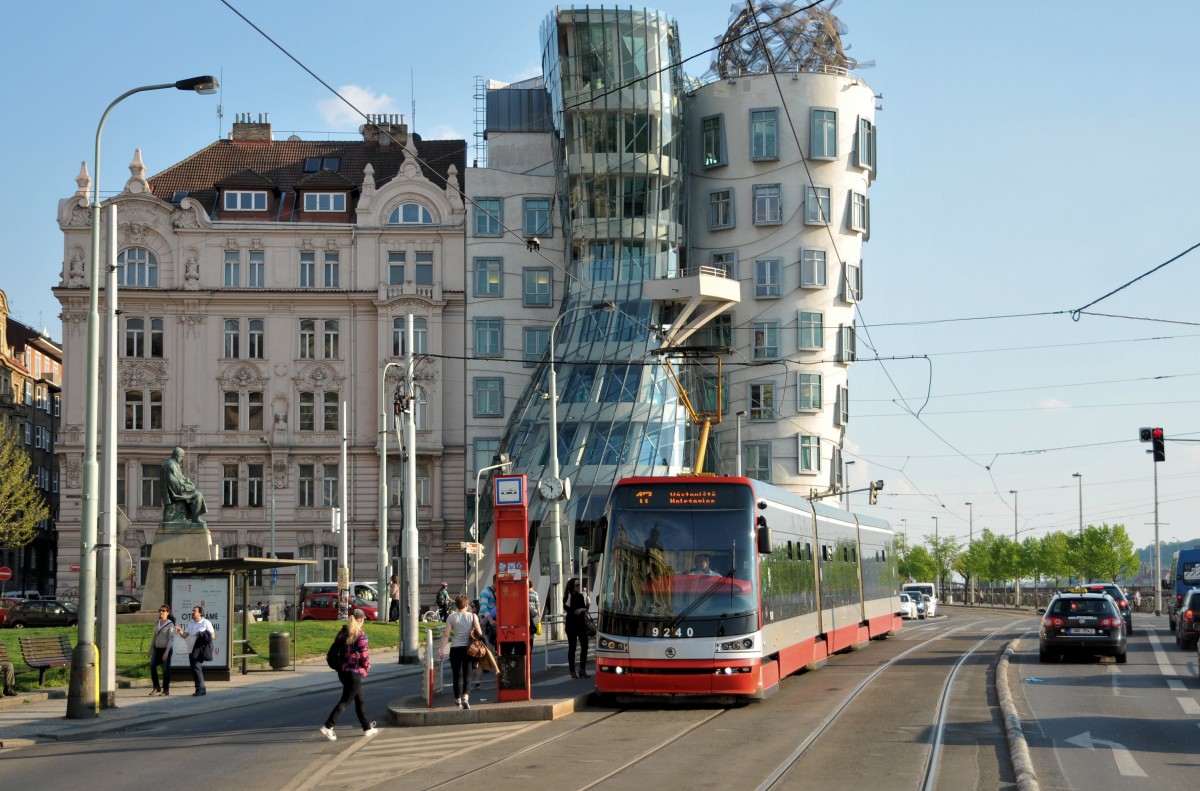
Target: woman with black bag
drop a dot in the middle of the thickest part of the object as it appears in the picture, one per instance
(575, 608)
(462, 629)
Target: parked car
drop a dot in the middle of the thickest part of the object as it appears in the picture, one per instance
(5, 604)
(908, 607)
(127, 603)
(324, 607)
(930, 605)
(1082, 623)
(1187, 620)
(42, 613)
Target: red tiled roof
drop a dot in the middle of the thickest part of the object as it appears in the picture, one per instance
(281, 164)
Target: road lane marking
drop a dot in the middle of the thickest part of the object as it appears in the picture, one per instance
(1164, 665)
(1126, 764)
(1189, 705)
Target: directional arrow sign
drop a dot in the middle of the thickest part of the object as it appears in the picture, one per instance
(1124, 759)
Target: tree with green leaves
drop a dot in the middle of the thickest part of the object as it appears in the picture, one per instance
(918, 565)
(1106, 553)
(22, 505)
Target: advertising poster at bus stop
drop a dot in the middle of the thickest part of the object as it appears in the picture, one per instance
(212, 595)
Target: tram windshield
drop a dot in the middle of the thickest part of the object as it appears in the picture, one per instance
(681, 558)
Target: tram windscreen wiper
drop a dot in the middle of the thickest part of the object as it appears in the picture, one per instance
(703, 597)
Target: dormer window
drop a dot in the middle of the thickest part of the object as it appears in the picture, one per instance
(245, 200)
(325, 201)
(410, 214)
(317, 164)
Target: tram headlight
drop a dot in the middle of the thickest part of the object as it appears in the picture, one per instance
(608, 644)
(744, 644)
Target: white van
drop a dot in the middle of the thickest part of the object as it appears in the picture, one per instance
(924, 589)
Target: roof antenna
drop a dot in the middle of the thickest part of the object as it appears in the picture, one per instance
(413, 92)
(220, 105)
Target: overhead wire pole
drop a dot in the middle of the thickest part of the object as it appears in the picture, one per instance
(106, 559)
(382, 561)
(411, 610)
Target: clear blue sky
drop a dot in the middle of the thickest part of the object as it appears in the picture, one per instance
(1033, 157)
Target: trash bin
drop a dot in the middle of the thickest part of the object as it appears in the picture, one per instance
(280, 655)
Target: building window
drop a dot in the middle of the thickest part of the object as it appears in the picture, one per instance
(537, 217)
(720, 209)
(767, 276)
(822, 139)
(621, 384)
(307, 485)
(810, 453)
(330, 412)
(395, 262)
(135, 337)
(420, 408)
(330, 339)
(245, 200)
(410, 214)
(254, 485)
(766, 340)
(488, 281)
(308, 339)
(232, 339)
(812, 330)
(332, 268)
(720, 331)
(607, 447)
(865, 148)
(308, 412)
(137, 266)
(812, 269)
(764, 134)
(768, 205)
(860, 213)
(808, 392)
(757, 461)
(143, 410)
(713, 140)
(538, 284)
(489, 397)
(308, 270)
(420, 336)
(489, 337)
(488, 216)
(816, 205)
(762, 401)
(852, 283)
(325, 201)
(258, 269)
(255, 410)
(485, 453)
(536, 341)
(151, 490)
(424, 266)
(255, 340)
(229, 485)
(842, 414)
(329, 487)
(231, 420)
(847, 350)
(726, 261)
(233, 268)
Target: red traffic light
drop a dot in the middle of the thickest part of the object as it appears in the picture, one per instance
(1156, 433)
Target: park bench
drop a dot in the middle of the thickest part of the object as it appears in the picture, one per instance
(43, 653)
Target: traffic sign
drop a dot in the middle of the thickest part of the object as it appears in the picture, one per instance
(74, 567)
(474, 548)
(5, 573)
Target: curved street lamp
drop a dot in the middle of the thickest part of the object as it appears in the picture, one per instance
(83, 697)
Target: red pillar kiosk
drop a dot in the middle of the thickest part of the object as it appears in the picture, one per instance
(512, 586)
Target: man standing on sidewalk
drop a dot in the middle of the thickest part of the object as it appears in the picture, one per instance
(10, 679)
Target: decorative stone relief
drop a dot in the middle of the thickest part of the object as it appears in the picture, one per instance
(84, 182)
(453, 193)
(75, 272)
(137, 183)
(192, 324)
(191, 271)
(72, 472)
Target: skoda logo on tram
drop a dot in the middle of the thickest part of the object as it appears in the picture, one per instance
(670, 652)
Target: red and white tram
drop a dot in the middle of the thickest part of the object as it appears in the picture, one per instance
(787, 582)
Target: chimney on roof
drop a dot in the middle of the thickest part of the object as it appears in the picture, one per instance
(385, 130)
(244, 128)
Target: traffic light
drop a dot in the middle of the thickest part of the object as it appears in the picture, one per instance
(1144, 433)
(876, 487)
(1158, 446)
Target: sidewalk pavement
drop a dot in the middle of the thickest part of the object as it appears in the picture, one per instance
(41, 716)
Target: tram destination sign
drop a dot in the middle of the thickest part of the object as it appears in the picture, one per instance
(682, 495)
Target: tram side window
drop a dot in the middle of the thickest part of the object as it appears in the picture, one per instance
(826, 552)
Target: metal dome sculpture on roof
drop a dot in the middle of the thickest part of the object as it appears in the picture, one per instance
(782, 37)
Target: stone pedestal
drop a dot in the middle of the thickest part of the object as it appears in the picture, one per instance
(173, 541)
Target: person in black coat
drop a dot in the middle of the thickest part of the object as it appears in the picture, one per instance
(575, 609)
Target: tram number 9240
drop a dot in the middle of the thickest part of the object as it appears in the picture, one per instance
(669, 631)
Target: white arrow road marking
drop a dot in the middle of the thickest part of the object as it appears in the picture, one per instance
(1126, 765)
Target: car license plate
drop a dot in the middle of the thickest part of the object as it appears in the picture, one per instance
(1082, 631)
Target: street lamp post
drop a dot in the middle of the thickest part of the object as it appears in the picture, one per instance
(504, 464)
(1017, 582)
(382, 573)
(904, 524)
(1079, 475)
(937, 553)
(83, 695)
(556, 553)
(741, 414)
(970, 541)
(846, 482)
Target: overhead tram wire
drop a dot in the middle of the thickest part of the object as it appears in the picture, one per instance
(1075, 314)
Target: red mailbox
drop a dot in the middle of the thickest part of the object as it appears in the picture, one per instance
(512, 586)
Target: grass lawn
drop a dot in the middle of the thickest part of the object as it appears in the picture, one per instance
(133, 646)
